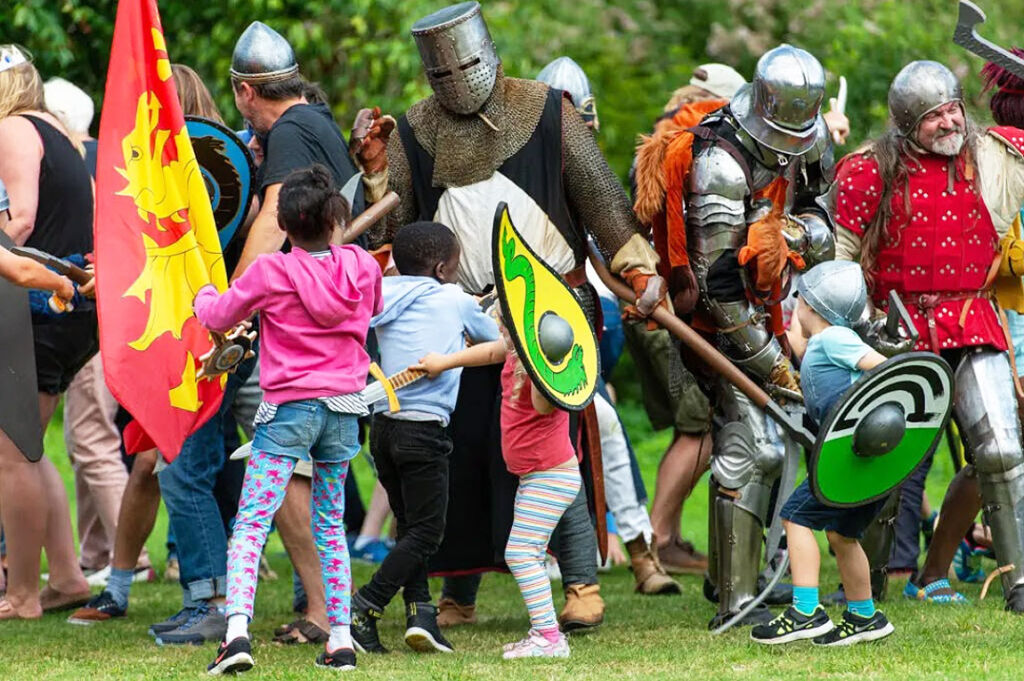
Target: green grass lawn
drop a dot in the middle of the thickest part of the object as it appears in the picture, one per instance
(642, 637)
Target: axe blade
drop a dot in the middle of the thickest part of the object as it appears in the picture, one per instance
(966, 35)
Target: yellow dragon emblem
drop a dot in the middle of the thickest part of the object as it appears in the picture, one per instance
(170, 190)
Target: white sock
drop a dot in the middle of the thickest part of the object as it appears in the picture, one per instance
(340, 638)
(238, 625)
(361, 541)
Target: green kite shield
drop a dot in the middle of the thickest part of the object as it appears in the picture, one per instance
(544, 318)
(880, 431)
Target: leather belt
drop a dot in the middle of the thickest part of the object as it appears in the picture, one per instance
(927, 302)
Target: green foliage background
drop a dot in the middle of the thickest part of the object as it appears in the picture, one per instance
(635, 51)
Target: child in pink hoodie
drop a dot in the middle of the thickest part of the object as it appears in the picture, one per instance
(315, 304)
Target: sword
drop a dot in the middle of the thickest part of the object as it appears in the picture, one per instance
(383, 388)
(73, 272)
(60, 266)
(966, 35)
(386, 386)
(840, 104)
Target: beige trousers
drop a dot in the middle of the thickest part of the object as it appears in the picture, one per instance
(94, 447)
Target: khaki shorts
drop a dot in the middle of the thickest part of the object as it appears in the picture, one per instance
(671, 394)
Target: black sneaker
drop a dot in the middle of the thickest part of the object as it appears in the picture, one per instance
(171, 623)
(364, 626)
(342, 660)
(855, 629)
(421, 631)
(792, 625)
(232, 657)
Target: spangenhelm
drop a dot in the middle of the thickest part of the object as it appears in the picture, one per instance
(262, 55)
(780, 107)
(458, 56)
(835, 289)
(565, 74)
(919, 88)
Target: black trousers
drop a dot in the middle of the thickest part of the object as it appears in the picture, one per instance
(412, 464)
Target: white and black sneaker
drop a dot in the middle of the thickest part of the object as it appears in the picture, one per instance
(857, 629)
(342, 660)
(793, 625)
(421, 631)
(232, 657)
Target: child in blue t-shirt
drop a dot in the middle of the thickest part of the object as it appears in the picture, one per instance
(832, 297)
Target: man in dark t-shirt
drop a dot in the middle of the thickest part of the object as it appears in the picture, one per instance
(294, 133)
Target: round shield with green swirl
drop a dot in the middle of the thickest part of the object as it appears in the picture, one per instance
(880, 431)
(547, 324)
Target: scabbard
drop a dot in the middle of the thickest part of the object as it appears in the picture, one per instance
(592, 443)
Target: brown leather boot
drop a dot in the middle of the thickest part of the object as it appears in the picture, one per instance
(651, 578)
(584, 607)
(681, 558)
(451, 614)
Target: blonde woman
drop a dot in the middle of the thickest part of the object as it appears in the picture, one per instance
(51, 209)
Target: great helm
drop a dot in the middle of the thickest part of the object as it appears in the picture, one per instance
(919, 88)
(780, 107)
(565, 74)
(262, 55)
(458, 56)
(835, 289)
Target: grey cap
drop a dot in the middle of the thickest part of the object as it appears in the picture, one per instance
(835, 289)
(781, 106)
(262, 55)
(5, 200)
(919, 88)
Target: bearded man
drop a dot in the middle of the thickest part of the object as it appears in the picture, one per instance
(926, 210)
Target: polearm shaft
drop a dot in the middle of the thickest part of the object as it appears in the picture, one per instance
(364, 220)
(712, 357)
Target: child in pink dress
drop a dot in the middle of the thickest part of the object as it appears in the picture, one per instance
(315, 304)
(536, 446)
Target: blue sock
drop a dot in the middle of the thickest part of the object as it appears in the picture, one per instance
(861, 608)
(805, 598)
(120, 585)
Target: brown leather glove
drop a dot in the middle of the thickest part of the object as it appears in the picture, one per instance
(368, 141)
(684, 288)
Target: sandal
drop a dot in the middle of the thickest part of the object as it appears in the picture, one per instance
(300, 631)
(938, 591)
(7, 612)
(55, 601)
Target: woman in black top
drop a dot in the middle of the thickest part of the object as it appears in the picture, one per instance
(51, 209)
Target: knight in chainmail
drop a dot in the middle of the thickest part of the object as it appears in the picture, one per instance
(481, 139)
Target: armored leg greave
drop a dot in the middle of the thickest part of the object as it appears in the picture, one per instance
(985, 408)
(747, 461)
(877, 544)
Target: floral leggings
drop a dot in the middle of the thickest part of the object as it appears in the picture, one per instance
(266, 477)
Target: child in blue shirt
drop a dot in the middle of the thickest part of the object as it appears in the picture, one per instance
(832, 297)
(424, 312)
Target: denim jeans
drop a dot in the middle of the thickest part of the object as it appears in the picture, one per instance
(187, 486)
(412, 465)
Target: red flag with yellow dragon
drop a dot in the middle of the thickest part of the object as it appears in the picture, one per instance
(155, 240)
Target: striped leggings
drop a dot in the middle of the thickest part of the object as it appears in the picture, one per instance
(541, 500)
